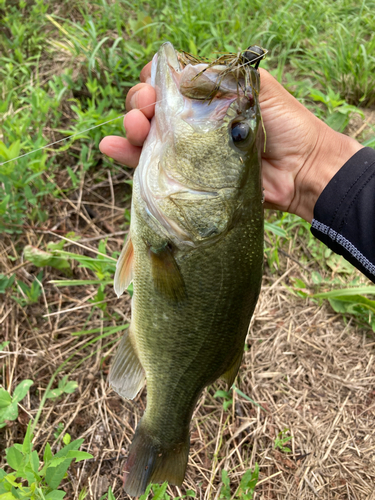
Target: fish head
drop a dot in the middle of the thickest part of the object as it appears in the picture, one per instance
(202, 157)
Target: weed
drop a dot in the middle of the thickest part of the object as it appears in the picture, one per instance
(352, 301)
(159, 492)
(338, 111)
(59, 429)
(228, 397)
(63, 387)
(245, 490)
(29, 294)
(8, 403)
(281, 440)
(6, 282)
(43, 479)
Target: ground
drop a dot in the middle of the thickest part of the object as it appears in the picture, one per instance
(310, 371)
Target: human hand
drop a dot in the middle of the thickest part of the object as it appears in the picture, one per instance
(302, 153)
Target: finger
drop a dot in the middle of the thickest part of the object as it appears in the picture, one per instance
(145, 75)
(142, 96)
(270, 89)
(121, 150)
(137, 127)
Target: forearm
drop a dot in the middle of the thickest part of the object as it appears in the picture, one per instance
(332, 150)
(344, 213)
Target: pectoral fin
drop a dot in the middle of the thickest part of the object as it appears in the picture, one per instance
(166, 274)
(124, 268)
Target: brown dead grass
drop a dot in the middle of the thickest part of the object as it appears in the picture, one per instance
(312, 373)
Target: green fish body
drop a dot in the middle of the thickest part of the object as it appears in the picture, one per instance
(194, 254)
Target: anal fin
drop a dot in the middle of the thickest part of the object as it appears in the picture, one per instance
(124, 268)
(126, 375)
(230, 375)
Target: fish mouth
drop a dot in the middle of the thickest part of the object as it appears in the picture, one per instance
(171, 56)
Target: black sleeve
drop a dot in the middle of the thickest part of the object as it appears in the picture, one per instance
(344, 215)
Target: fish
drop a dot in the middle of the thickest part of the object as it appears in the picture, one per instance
(194, 253)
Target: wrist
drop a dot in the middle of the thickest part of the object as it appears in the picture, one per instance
(331, 151)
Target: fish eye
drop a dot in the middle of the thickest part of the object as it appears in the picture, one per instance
(240, 131)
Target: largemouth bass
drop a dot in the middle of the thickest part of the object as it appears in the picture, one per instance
(194, 253)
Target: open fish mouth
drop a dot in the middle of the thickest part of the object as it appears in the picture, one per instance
(227, 74)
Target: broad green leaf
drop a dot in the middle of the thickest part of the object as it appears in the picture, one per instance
(54, 393)
(248, 483)
(5, 399)
(21, 390)
(70, 387)
(56, 246)
(7, 496)
(74, 445)
(55, 475)
(47, 456)
(55, 462)
(14, 458)
(55, 495)
(225, 489)
(338, 121)
(352, 304)
(222, 394)
(6, 282)
(79, 455)
(40, 258)
(31, 479)
(34, 460)
(9, 413)
(11, 479)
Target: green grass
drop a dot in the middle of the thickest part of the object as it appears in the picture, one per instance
(64, 74)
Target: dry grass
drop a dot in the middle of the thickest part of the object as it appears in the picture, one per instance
(313, 375)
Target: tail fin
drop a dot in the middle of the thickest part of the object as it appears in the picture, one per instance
(149, 461)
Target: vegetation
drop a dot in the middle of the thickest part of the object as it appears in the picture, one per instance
(65, 68)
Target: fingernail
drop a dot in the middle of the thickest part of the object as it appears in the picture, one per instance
(134, 101)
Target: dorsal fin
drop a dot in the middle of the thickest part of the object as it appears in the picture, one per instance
(124, 268)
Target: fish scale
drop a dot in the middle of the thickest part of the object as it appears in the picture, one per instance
(195, 258)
